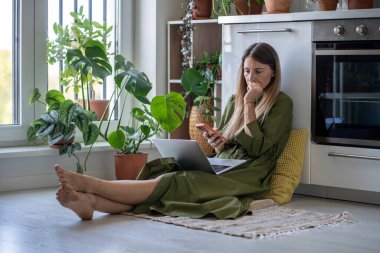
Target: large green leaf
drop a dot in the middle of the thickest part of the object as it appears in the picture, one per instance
(92, 116)
(45, 130)
(81, 121)
(116, 139)
(50, 117)
(99, 62)
(90, 134)
(96, 43)
(169, 110)
(35, 96)
(31, 134)
(121, 63)
(193, 82)
(136, 83)
(94, 59)
(54, 97)
(67, 112)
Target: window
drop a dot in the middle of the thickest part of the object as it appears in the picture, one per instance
(23, 55)
(8, 63)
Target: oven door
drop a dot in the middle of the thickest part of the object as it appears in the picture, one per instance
(346, 93)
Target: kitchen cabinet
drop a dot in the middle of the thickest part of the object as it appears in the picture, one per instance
(336, 166)
(207, 37)
(292, 41)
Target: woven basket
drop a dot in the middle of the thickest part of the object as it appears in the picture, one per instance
(197, 116)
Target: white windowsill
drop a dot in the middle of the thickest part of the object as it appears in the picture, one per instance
(45, 150)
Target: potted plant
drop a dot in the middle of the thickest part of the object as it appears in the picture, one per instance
(243, 7)
(162, 112)
(85, 55)
(199, 85)
(327, 5)
(201, 9)
(58, 124)
(277, 6)
(362, 4)
(250, 7)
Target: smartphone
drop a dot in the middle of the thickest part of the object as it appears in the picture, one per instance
(204, 127)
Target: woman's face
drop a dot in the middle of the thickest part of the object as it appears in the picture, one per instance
(256, 72)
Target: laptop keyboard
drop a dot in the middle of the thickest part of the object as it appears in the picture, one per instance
(218, 168)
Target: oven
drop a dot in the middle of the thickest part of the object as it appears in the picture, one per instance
(346, 82)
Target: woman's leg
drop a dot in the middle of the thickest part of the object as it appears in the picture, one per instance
(130, 192)
(84, 204)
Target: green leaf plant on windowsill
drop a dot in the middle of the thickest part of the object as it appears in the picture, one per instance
(58, 124)
(82, 48)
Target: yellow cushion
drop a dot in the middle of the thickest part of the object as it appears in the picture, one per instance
(287, 173)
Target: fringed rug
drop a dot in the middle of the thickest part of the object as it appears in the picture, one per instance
(264, 220)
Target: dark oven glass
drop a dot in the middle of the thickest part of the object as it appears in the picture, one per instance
(347, 93)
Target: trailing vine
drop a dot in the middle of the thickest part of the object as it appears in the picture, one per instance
(186, 31)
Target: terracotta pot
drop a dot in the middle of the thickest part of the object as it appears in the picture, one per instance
(277, 6)
(128, 166)
(202, 9)
(327, 5)
(98, 106)
(197, 116)
(242, 7)
(360, 4)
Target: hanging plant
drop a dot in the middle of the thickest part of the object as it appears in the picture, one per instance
(186, 30)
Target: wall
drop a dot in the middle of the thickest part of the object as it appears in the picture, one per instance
(150, 38)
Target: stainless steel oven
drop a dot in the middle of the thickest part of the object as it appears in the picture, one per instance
(346, 82)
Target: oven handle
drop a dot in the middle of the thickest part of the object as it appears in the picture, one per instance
(354, 156)
(266, 30)
(348, 52)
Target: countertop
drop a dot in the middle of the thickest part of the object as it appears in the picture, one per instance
(301, 16)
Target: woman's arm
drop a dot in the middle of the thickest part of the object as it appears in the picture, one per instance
(254, 91)
(264, 136)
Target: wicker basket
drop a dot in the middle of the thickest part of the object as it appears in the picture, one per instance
(197, 116)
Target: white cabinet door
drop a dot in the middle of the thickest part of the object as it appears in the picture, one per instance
(295, 53)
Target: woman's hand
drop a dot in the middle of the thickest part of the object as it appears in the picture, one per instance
(215, 139)
(254, 91)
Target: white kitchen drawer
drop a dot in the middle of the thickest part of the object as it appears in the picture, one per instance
(344, 172)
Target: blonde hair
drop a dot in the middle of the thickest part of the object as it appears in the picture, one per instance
(265, 54)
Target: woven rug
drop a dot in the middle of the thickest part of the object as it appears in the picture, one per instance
(264, 220)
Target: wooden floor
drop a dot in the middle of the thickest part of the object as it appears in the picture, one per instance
(32, 221)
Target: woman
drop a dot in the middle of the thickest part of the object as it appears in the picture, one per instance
(255, 126)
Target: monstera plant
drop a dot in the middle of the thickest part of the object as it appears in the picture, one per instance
(145, 121)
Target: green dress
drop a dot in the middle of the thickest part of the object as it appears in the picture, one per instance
(196, 193)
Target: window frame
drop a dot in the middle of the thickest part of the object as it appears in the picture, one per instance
(32, 71)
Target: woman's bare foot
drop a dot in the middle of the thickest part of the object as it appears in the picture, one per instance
(78, 182)
(80, 203)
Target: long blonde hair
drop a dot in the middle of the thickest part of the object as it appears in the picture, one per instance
(265, 54)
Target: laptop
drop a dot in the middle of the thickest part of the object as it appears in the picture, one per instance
(190, 156)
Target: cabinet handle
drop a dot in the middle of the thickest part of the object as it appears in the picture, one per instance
(279, 30)
(354, 156)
